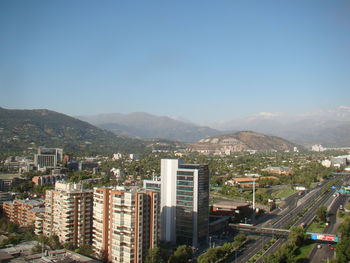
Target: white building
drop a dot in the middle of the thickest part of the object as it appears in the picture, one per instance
(134, 156)
(117, 156)
(326, 163)
(116, 172)
(317, 148)
(47, 157)
(184, 202)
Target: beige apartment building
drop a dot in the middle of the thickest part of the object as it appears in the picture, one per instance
(126, 223)
(68, 213)
(23, 212)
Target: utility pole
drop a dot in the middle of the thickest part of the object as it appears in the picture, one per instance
(254, 194)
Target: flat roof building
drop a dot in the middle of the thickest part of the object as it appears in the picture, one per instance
(126, 223)
(23, 212)
(47, 157)
(68, 213)
(184, 202)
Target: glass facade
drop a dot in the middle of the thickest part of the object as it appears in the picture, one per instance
(191, 217)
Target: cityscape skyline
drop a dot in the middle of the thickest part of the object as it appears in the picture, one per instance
(201, 61)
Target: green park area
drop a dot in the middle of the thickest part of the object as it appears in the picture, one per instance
(8, 176)
(283, 193)
(316, 227)
(304, 251)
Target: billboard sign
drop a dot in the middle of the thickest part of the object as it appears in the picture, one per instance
(324, 237)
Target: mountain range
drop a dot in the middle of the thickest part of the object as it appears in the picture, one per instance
(331, 128)
(146, 126)
(24, 130)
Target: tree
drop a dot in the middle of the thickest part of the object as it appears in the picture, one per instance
(153, 255)
(36, 249)
(183, 254)
(69, 246)
(321, 214)
(240, 238)
(344, 228)
(86, 250)
(347, 206)
(287, 252)
(297, 236)
(54, 242)
(211, 255)
(343, 250)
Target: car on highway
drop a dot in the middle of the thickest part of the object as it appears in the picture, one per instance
(330, 247)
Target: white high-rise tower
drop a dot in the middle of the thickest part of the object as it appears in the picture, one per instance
(184, 202)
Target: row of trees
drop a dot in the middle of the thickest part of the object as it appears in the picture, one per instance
(15, 235)
(343, 247)
(183, 254)
(217, 254)
(288, 251)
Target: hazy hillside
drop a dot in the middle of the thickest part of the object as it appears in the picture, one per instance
(242, 141)
(144, 125)
(328, 127)
(23, 129)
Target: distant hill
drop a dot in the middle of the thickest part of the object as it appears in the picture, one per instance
(331, 127)
(242, 141)
(146, 126)
(21, 130)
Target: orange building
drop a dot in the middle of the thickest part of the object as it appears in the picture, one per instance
(244, 182)
(126, 223)
(47, 179)
(23, 212)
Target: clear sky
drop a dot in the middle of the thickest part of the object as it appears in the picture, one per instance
(202, 60)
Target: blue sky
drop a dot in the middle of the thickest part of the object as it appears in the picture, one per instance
(202, 60)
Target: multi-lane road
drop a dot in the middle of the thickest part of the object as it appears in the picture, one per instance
(325, 252)
(294, 206)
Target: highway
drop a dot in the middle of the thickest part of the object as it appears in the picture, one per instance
(307, 218)
(286, 216)
(320, 255)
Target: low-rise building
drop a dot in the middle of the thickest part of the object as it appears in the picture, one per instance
(278, 170)
(326, 163)
(4, 196)
(6, 184)
(317, 148)
(48, 179)
(23, 212)
(229, 208)
(16, 255)
(117, 156)
(244, 182)
(339, 161)
(134, 156)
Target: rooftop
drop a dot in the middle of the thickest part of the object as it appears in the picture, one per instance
(230, 204)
